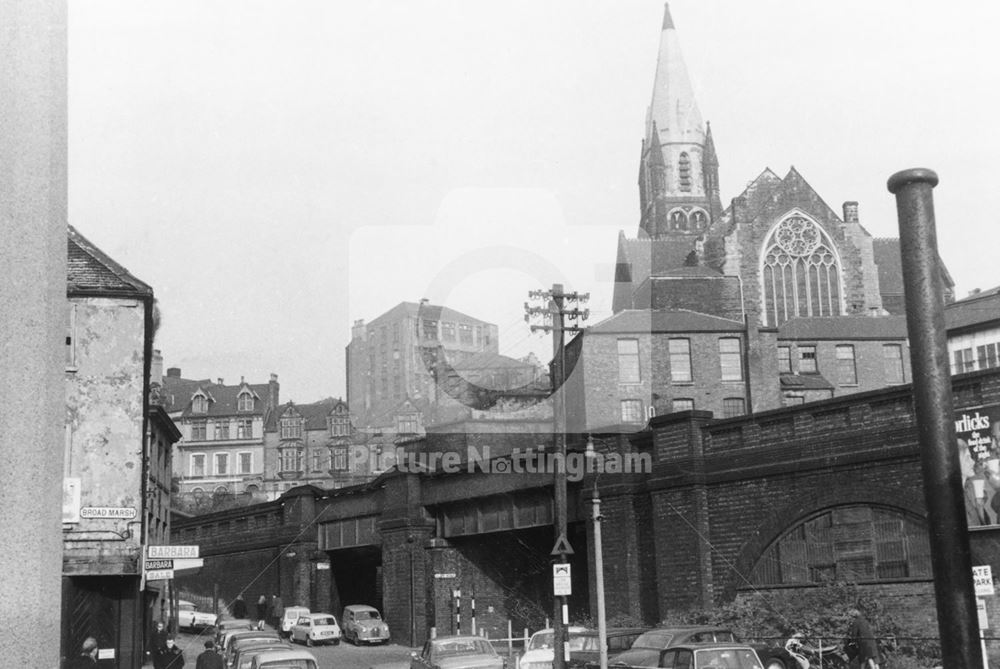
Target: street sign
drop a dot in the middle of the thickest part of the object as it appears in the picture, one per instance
(171, 552)
(154, 565)
(562, 581)
(188, 563)
(159, 574)
(110, 512)
(984, 622)
(562, 546)
(982, 579)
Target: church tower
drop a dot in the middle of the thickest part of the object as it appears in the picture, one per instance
(678, 168)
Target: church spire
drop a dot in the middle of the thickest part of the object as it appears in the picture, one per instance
(673, 106)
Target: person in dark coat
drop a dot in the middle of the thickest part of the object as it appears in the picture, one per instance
(209, 659)
(860, 642)
(277, 610)
(261, 611)
(87, 659)
(239, 607)
(170, 657)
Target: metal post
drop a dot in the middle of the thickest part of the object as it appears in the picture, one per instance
(943, 492)
(602, 629)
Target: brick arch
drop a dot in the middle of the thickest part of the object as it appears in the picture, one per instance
(777, 524)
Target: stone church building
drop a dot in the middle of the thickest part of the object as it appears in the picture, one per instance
(776, 299)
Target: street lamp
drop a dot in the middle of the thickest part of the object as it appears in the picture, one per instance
(595, 500)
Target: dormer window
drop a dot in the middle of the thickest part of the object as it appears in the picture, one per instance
(291, 427)
(244, 402)
(199, 404)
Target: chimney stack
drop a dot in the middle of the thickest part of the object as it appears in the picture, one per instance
(272, 391)
(156, 367)
(221, 382)
(173, 372)
(850, 212)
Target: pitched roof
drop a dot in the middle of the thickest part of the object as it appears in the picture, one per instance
(424, 310)
(844, 327)
(315, 414)
(487, 360)
(90, 270)
(637, 321)
(177, 394)
(975, 310)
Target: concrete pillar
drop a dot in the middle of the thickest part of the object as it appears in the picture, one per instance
(32, 332)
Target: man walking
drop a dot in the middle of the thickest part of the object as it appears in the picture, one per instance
(209, 659)
(860, 642)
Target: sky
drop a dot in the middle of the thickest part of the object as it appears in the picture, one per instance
(277, 170)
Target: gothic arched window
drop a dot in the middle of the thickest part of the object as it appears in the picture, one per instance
(800, 272)
(851, 544)
(684, 172)
(699, 219)
(678, 220)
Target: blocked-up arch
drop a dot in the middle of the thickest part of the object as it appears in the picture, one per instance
(896, 539)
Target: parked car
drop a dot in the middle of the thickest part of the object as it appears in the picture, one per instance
(540, 653)
(314, 628)
(255, 642)
(456, 652)
(231, 625)
(363, 624)
(243, 655)
(294, 658)
(230, 638)
(190, 618)
(618, 639)
(710, 656)
(291, 616)
(645, 650)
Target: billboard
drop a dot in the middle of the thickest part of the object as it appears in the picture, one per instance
(978, 433)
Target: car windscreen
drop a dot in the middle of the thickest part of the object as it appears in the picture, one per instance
(324, 620)
(732, 658)
(461, 647)
(655, 639)
(288, 664)
(638, 657)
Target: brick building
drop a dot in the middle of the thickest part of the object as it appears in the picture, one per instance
(221, 454)
(701, 291)
(118, 457)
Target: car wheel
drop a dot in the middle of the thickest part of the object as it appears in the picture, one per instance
(309, 641)
(774, 663)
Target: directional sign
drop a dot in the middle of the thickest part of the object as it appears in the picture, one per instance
(111, 512)
(984, 621)
(562, 546)
(153, 565)
(170, 552)
(562, 581)
(982, 579)
(188, 563)
(159, 574)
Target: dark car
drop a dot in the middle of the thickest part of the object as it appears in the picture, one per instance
(618, 639)
(710, 656)
(645, 650)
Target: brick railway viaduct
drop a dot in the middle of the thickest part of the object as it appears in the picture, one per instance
(693, 532)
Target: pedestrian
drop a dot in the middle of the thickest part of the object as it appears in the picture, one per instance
(239, 608)
(860, 642)
(169, 657)
(87, 659)
(261, 611)
(158, 640)
(277, 609)
(209, 659)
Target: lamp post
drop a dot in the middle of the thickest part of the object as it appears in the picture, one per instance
(595, 500)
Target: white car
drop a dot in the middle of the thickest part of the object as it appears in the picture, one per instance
(540, 653)
(316, 628)
(291, 616)
(190, 618)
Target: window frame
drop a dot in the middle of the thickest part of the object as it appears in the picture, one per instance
(224, 459)
(629, 406)
(727, 402)
(680, 356)
(784, 360)
(802, 349)
(240, 457)
(631, 362)
(847, 374)
(729, 356)
(193, 458)
(679, 404)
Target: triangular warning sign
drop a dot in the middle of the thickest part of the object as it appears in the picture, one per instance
(562, 546)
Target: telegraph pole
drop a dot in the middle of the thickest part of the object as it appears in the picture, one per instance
(555, 315)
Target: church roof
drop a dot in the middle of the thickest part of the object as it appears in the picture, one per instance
(638, 321)
(673, 107)
(844, 328)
